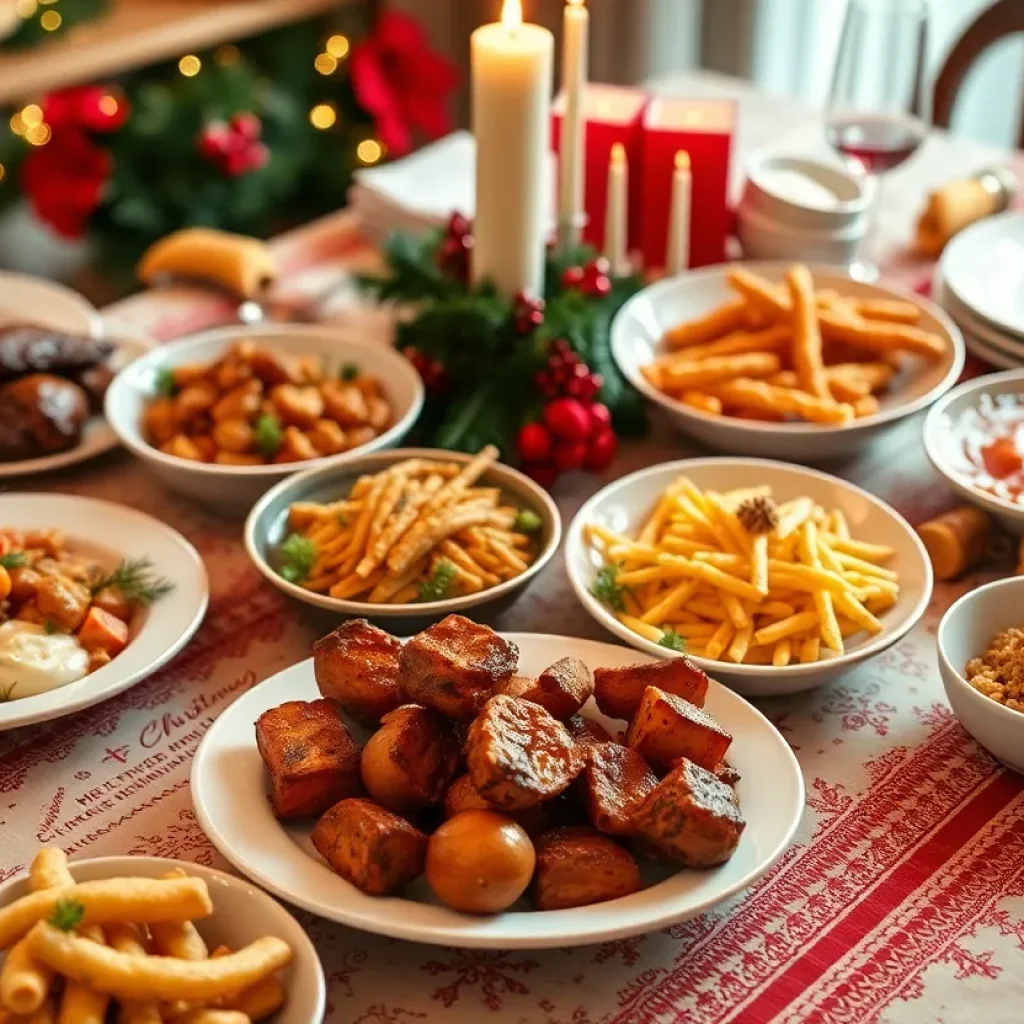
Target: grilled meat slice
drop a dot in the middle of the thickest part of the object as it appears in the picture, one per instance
(577, 866)
(562, 689)
(27, 348)
(618, 691)
(39, 415)
(666, 728)
(615, 781)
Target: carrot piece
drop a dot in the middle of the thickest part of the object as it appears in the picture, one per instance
(103, 631)
(1001, 458)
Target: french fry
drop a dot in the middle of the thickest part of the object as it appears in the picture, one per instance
(686, 376)
(721, 639)
(755, 394)
(807, 356)
(783, 652)
(180, 939)
(809, 650)
(671, 602)
(24, 981)
(882, 336)
(808, 545)
(702, 401)
(125, 938)
(772, 339)
(770, 635)
(773, 302)
(740, 642)
(731, 316)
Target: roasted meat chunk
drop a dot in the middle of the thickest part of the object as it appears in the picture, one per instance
(561, 689)
(615, 781)
(357, 665)
(375, 850)
(410, 760)
(586, 731)
(691, 817)
(455, 665)
(462, 796)
(618, 691)
(577, 866)
(26, 348)
(312, 760)
(666, 728)
(518, 755)
(40, 414)
(727, 774)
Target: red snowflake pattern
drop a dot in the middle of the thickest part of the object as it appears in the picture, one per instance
(969, 965)
(490, 971)
(384, 1015)
(183, 840)
(857, 708)
(627, 950)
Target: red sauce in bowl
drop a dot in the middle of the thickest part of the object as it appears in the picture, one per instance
(988, 446)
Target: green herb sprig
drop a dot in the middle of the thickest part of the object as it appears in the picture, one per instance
(348, 372)
(298, 555)
(135, 578)
(67, 915)
(608, 589)
(164, 384)
(14, 559)
(437, 586)
(672, 640)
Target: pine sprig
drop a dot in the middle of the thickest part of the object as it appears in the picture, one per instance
(135, 579)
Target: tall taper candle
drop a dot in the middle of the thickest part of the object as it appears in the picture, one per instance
(511, 92)
(678, 258)
(572, 152)
(616, 224)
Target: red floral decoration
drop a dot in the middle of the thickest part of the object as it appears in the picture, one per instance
(92, 108)
(401, 82)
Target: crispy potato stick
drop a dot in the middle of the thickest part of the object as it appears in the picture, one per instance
(399, 523)
(854, 564)
(786, 627)
(24, 981)
(721, 639)
(686, 376)
(756, 394)
(125, 939)
(808, 546)
(207, 1015)
(740, 642)
(639, 627)
(866, 406)
(773, 302)
(861, 548)
(783, 652)
(759, 562)
(894, 310)
(881, 336)
(773, 339)
(261, 1000)
(143, 900)
(431, 530)
(49, 870)
(721, 320)
(792, 515)
(807, 357)
(671, 602)
(709, 574)
(466, 477)
(387, 588)
(810, 649)
(702, 402)
(81, 1004)
(178, 938)
(853, 609)
(130, 977)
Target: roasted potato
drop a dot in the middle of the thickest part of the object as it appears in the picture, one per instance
(561, 689)
(666, 728)
(357, 665)
(618, 691)
(312, 759)
(577, 867)
(375, 850)
(455, 665)
(615, 781)
(518, 755)
(586, 731)
(691, 817)
(462, 796)
(410, 760)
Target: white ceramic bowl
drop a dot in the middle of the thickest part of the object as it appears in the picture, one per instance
(266, 527)
(241, 914)
(25, 298)
(641, 323)
(233, 489)
(625, 505)
(965, 632)
(940, 448)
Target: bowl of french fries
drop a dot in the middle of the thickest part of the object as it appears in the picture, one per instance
(412, 534)
(783, 361)
(147, 940)
(773, 577)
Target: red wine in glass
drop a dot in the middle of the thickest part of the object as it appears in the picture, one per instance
(877, 143)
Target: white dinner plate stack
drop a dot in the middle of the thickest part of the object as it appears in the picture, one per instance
(980, 282)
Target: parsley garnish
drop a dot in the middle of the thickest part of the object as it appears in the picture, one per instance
(299, 555)
(67, 915)
(437, 585)
(527, 521)
(164, 384)
(51, 627)
(269, 435)
(13, 559)
(672, 640)
(348, 371)
(135, 580)
(608, 589)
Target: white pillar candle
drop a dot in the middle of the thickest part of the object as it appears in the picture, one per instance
(678, 258)
(511, 93)
(617, 211)
(572, 152)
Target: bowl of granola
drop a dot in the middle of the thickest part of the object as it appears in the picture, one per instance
(981, 659)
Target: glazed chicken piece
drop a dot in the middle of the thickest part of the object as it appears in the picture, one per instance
(562, 689)
(618, 691)
(691, 817)
(518, 755)
(375, 850)
(667, 728)
(357, 665)
(312, 759)
(577, 866)
(455, 665)
(40, 414)
(26, 348)
(615, 782)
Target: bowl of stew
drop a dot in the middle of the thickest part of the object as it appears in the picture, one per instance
(974, 436)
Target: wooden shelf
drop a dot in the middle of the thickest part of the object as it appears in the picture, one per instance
(137, 33)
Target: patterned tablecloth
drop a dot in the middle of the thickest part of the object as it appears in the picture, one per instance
(901, 901)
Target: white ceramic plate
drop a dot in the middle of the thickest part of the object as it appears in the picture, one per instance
(641, 323)
(110, 533)
(983, 266)
(28, 299)
(229, 791)
(241, 914)
(980, 337)
(624, 506)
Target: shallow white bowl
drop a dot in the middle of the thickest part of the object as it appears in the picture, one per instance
(229, 791)
(267, 526)
(938, 443)
(966, 630)
(241, 914)
(641, 323)
(625, 505)
(233, 489)
(25, 298)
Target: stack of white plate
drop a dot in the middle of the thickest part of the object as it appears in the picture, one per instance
(980, 282)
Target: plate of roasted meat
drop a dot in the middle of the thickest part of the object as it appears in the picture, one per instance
(473, 788)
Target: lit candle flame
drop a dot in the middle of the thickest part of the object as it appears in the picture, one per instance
(618, 154)
(682, 160)
(512, 15)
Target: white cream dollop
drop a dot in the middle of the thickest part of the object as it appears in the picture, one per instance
(34, 661)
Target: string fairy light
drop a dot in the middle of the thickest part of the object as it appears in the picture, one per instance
(369, 151)
(189, 65)
(32, 115)
(227, 55)
(38, 134)
(322, 116)
(50, 21)
(108, 105)
(337, 47)
(18, 125)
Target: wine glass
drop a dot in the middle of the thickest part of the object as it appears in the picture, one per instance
(871, 119)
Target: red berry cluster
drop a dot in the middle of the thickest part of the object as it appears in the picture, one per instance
(453, 255)
(234, 146)
(594, 278)
(572, 436)
(431, 370)
(527, 313)
(566, 374)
